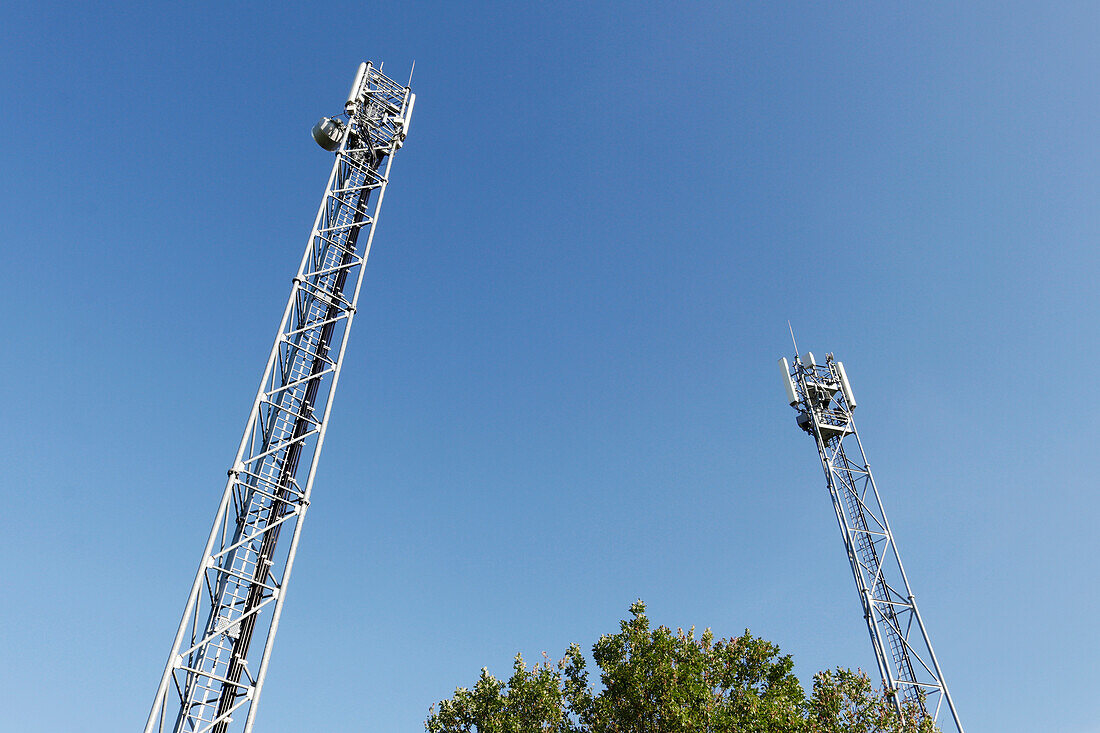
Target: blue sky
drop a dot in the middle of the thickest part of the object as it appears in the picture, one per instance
(561, 393)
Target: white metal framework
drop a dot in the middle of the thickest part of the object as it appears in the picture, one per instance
(823, 397)
(219, 658)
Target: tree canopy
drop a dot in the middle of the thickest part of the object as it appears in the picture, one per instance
(655, 680)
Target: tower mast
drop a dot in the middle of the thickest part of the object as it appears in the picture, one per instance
(219, 658)
(824, 400)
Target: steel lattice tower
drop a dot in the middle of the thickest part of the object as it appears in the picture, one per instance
(823, 397)
(216, 669)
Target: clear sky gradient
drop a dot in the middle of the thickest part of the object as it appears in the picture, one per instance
(561, 393)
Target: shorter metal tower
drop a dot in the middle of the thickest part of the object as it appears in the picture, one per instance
(823, 397)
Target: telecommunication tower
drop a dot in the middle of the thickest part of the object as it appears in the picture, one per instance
(823, 397)
(219, 659)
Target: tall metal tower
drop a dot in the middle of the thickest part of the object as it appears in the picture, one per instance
(216, 669)
(823, 397)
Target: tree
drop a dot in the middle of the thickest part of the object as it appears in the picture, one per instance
(655, 680)
(845, 702)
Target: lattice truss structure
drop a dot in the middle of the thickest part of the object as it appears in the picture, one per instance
(823, 397)
(216, 669)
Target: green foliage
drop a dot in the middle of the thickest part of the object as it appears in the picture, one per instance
(845, 702)
(659, 681)
(533, 701)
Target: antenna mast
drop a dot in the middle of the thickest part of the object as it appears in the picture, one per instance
(823, 397)
(216, 669)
